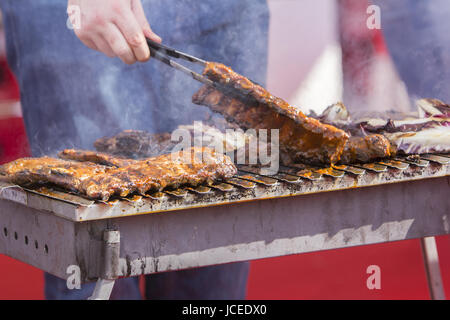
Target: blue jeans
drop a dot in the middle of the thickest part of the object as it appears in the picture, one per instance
(72, 95)
(418, 38)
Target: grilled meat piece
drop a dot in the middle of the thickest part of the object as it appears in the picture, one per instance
(126, 142)
(95, 157)
(193, 166)
(306, 139)
(135, 144)
(65, 174)
(366, 149)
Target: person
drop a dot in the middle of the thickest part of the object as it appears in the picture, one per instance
(418, 40)
(71, 95)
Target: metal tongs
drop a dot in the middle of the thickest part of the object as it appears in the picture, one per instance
(164, 54)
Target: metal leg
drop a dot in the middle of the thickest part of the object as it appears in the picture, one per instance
(102, 290)
(111, 251)
(432, 268)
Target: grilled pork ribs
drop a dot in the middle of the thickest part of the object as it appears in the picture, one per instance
(97, 181)
(303, 138)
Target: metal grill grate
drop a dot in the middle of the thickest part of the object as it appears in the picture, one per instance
(249, 184)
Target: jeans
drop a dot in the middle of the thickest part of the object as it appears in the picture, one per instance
(72, 95)
(418, 38)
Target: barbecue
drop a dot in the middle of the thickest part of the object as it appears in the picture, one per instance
(303, 141)
(247, 183)
(96, 157)
(193, 167)
(135, 144)
(248, 216)
(366, 149)
(109, 213)
(68, 175)
(357, 149)
(301, 137)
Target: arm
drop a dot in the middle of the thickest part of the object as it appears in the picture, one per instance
(115, 27)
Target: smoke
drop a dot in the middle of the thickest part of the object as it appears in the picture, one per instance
(156, 98)
(72, 96)
(417, 39)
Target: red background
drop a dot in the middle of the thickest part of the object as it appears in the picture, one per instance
(333, 274)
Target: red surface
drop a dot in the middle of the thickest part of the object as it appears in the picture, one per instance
(341, 274)
(20, 281)
(13, 140)
(17, 280)
(334, 274)
(8, 86)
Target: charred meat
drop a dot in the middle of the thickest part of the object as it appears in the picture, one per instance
(95, 157)
(201, 134)
(67, 175)
(366, 149)
(135, 144)
(193, 167)
(304, 138)
(189, 167)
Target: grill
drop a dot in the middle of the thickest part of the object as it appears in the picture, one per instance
(305, 209)
(250, 184)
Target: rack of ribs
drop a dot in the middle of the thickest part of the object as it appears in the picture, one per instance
(193, 166)
(305, 139)
(67, 175)
(357, 149)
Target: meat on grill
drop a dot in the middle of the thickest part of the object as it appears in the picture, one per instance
(366, 149)
(67, 175)
(304, 138)
(193, 166)
(135, 144)
(95, 157)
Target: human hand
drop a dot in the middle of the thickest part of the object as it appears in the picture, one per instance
(117, 28)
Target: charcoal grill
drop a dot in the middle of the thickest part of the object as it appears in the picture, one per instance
(250, 216)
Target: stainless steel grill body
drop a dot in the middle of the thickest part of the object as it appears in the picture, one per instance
(190, 229)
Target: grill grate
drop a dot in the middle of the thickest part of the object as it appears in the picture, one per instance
(249, 184)
(249, 176)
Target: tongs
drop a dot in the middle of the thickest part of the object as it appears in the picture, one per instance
(164, 54)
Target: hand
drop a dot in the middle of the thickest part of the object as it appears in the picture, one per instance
(115, 27)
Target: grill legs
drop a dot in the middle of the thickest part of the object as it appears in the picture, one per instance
(111, 251)
(102, 290)
(431, 260)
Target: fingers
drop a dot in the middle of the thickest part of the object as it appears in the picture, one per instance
(116, 28)
(119, 44)
(138, 10)
(89, 43)
(108, 40)
(132, 31)
(103, 46)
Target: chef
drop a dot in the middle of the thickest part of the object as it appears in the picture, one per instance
(91, 77)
